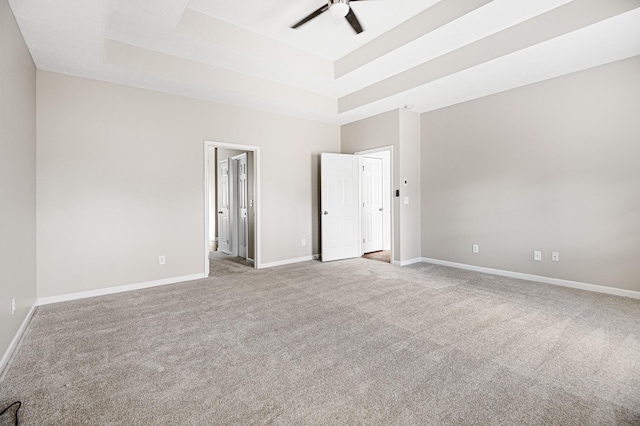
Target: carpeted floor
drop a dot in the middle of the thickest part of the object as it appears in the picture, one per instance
(221, 264)
(342, 343)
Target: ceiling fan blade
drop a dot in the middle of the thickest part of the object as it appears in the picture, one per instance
(353, 20)
(312, 15)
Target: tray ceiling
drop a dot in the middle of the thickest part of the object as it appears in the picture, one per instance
(426, 53)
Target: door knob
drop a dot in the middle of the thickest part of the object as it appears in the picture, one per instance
(326, 213)
(219, 212)
(380, 209)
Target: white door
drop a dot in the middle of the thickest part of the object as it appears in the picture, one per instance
(340, 206)
(243, 226)
(223, 207)
(371, 204)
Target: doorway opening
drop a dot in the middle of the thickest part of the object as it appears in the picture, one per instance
(232, 194)
(350, 226)
(376, 193)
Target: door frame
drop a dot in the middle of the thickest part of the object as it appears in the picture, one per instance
(392, 204)
(256, 202)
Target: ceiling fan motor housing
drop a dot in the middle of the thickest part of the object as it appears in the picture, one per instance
(339, 8)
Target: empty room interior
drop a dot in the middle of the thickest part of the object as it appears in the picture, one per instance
(381, 212)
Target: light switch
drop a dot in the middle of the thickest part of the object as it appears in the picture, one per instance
(406, 200)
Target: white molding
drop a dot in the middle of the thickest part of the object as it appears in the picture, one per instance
(289, 261)
(117, 289)
(547, 280)
(16, 339)
(408, 262)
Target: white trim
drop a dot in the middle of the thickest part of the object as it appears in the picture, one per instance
(290, 261)
(547, 280)
(117, 289)
(16, 339)
(408, 262)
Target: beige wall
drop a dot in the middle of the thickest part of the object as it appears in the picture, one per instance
(120, 181)
(400, 129)
(553, 166)
(17, 178)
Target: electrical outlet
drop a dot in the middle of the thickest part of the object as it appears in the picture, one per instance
(475, 248)
(304, 241)
(13, 305)
(537, 255)
(162, 260)
(555, 256)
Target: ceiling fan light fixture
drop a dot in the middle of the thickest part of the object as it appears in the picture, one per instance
(339, 8)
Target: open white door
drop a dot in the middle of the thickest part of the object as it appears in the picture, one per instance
(340, 205)
(223, 207)
(243, 226)
(371, 204)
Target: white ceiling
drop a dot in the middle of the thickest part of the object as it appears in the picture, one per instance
(427, 53)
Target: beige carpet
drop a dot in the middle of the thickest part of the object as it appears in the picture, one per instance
(221, 264)
(382, 256)
(343, 343)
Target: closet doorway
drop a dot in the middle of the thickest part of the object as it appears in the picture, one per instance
(377, 207)
(231, 205)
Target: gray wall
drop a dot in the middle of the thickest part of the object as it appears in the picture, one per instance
(410, 223)
(120, 181)
(17, 177)
(553, 166)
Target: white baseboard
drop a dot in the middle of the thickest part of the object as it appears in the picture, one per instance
(289, 261)
(118, 289)
(16, 339)
(547, 280)
(406, 262)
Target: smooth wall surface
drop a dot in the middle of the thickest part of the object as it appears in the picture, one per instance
(409, 136)
(120, 182)
(17, 177)
(554, 166)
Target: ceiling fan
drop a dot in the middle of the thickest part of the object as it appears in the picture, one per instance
(337, 8)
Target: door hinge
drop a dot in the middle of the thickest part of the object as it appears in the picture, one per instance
(363, 241)
(363, 168)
